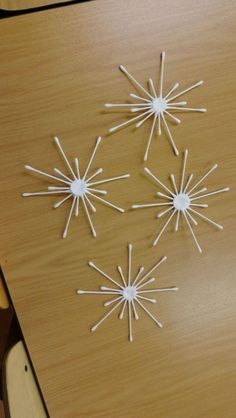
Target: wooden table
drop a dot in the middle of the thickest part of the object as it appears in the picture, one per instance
(13, 5)
(57, 70)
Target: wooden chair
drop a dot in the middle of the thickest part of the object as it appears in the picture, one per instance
(21, 395)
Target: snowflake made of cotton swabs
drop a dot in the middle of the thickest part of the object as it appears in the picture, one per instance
(155, 105)
(76, 187)
(128, 294)
(183, 201)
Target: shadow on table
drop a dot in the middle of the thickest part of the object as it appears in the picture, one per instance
(11, 13)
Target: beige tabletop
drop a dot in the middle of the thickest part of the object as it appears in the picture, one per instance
(57, 70)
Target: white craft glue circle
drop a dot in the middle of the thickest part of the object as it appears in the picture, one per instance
(78, 188)
(181, 201)
(159, 104)
(129, 292)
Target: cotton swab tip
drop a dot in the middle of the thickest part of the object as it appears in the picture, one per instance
(80, 292)
(108, 105)
(147, 170)
(25, 194)
(94, 328)
(56, 139)
(28, 167)
(91, 264)
(99, 138)
(121, 67)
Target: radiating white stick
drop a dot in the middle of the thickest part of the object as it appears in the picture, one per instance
(150, 137)
(111, 289)
(109, 302)
(200, 205)
(193, 235)
(162, 73)
(130, 322)
(144, 120)
(92, 292)
(56, 205)
(175, 86)
(97, 190)
(203, 177)
(199, 83)
(139, 286)
(149, 313)
(63, 175)
(121, 315)
(188, 183)
(98, 141)
(190, 109)
(169, 135)
(69, 218)
(141, 269)
(206, 218)
(164, 227)
(77, 167)
(157, 180)
(191, 217)
(165, 195)
(199, 191)
(58, 188)
(147, 299)
(35, 170)
(177, 221)
(129, 121)
(106, 202)
(107, 315)
(123, 69)
(183, 170)
(176, 120)
(96, 183)
(152, 270)
(124, 104)
(44, 193)
(152, 87)
(77, 206)
(57, 141)
(169, 106)
(98, 171)
(226, 189)
(129, 262)
(164, 212)
(122, 275)
(139, 97)
(135, 311)
(91, 264)
(166, 289)
(159, 124)
(150, 205)
(89, 203)
(89, 218)
(174, 183)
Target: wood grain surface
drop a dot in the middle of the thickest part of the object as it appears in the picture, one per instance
(12, 5)
(58, 68)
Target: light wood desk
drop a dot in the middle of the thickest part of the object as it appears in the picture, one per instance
(13, 5)
(57, 70)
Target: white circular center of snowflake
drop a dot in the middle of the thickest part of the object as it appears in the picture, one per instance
(181, 201)
(159, 104)
(78, 188)
(129, 292)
